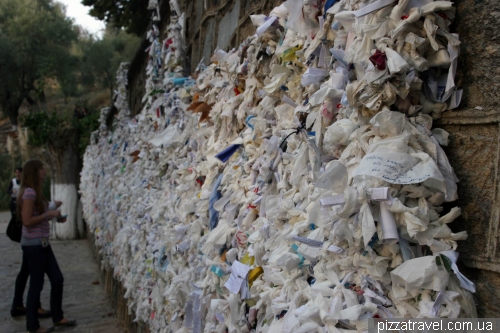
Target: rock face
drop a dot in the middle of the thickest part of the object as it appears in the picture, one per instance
(475, 22)
(473, 150)
(473, 153)
(474, 127)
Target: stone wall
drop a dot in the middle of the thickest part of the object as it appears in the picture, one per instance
(223, 24)
(474, 127)
(474, 147)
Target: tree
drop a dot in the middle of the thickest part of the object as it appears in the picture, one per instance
(12, 85)
(101, 58)
(36, 37)
(66, 74)
(35, 44)
(60, 140)
(132, 15)
(40, 46)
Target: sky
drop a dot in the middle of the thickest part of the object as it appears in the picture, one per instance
(79, 13)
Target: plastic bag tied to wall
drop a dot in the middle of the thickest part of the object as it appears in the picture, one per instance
(295, 184)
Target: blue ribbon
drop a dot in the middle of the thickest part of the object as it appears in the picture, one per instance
(295, 248)
(248, 122)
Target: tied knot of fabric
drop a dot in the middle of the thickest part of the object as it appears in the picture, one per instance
(379, 60)
(297, 131)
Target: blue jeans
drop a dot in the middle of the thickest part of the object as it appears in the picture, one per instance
(13, 206)
(41, 261)
(22, 279)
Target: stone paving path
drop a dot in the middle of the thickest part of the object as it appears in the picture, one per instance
(84, 301)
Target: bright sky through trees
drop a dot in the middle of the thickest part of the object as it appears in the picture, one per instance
(79, 13)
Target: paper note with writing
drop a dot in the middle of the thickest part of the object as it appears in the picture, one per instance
(333, 200)
(196, 312)
(239, 272)
(401, 168)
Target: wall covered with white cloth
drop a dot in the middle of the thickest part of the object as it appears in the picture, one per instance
(296, 183)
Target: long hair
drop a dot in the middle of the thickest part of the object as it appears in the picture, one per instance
(31, 178)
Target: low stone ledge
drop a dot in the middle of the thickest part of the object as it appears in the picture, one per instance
(116, 291)
(468, 117)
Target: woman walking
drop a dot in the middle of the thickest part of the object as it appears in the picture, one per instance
(32, 208)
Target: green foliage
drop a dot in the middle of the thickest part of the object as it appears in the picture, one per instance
(40, 45)
(85, 127)
(42, 127)
(50, 128)
(101, 58)
(35, 44)
(132, 15)
(41, 50)
(67, 76)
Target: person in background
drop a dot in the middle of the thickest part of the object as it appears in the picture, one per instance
(13, 190)
(35, 215)
(18, 308)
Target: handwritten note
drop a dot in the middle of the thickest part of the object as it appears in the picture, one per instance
(401, 168)
(332, 200)
(239, 273)
(196, 297)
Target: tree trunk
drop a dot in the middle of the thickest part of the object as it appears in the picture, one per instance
(64, 187)
(43, 99)
(13, 119)
(11, 107)
(34, 105)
